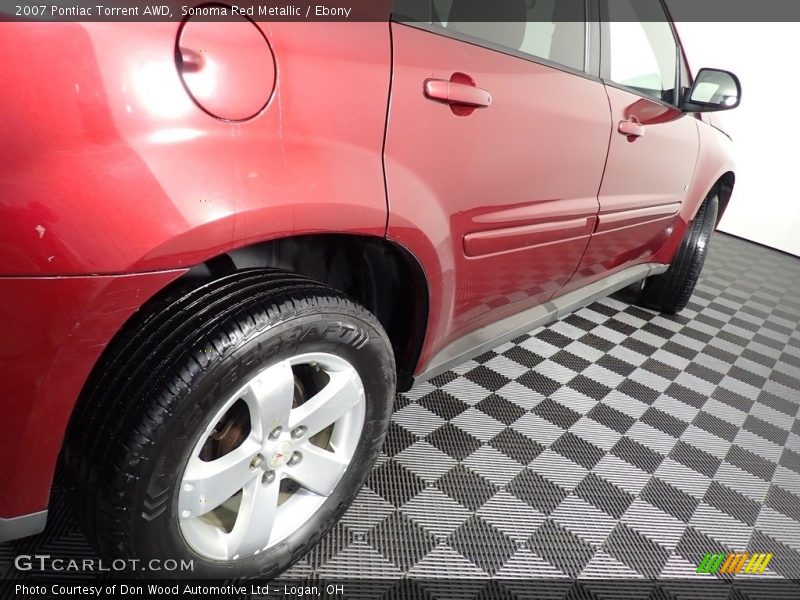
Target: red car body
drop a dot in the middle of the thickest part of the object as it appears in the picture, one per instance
(117, 178)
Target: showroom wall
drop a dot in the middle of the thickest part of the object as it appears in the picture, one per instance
(765, 206)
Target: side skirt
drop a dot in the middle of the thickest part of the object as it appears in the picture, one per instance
(479, 341)
(22, 526)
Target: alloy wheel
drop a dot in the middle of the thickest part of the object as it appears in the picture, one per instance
(270, 456)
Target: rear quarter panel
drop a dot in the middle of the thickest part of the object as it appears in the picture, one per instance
(108, 166)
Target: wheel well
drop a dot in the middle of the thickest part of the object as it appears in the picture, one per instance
(381, 276)
(724, 186)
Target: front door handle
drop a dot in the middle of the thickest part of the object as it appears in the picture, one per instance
(632, 128)
(460, 92)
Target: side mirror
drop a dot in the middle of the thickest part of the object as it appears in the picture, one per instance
(713, 90)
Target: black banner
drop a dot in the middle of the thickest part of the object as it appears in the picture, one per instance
(755, 587)
(380, 10)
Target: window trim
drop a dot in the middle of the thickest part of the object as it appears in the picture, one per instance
(590, 55)
(594, 48)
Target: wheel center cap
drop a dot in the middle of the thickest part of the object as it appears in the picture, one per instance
(280, 456)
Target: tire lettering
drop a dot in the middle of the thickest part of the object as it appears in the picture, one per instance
(231, 376)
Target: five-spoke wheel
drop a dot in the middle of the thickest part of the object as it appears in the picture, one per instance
(293, 448)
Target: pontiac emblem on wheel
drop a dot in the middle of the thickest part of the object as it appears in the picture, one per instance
(280, 456)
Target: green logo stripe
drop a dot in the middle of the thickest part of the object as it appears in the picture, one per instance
(711, 563)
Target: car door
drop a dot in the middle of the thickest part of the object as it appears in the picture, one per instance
(495, 148)
(654, 145)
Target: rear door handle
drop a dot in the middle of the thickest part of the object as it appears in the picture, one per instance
(457, 93)
(631, 127)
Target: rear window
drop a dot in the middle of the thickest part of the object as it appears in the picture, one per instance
(553, 30)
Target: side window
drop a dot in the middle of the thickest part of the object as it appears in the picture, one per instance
(642, 53)
(554, 30)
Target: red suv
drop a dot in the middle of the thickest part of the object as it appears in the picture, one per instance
(226, 245)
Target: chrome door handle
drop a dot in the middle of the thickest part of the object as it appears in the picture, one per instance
(631, 127)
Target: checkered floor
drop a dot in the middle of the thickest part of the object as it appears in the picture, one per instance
(613, 443)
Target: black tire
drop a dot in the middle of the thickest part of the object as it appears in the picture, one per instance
(670, 292)
(157, 388)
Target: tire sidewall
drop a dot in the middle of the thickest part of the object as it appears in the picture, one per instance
(155, 530)
(697, 246)
(670, 291)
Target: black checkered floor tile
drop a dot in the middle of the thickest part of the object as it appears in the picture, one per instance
(614, 443)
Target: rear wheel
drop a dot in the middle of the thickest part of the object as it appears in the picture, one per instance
(233, 426)
(670, 292)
